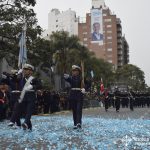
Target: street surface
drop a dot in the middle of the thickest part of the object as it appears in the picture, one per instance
(100, 131)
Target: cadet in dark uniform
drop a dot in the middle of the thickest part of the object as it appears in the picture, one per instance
(132, 97)
(27, 98)
(76, 94)
(117, 99)
(14, 89)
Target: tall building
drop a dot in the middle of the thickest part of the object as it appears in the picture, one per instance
(102, 34)
(62, 21)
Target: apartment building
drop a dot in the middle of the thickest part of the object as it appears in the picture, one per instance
(114, 47)
(61, 21)
(111, 45)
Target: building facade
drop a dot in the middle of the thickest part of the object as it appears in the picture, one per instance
(61, 21)
(109, 44)
(114, 48)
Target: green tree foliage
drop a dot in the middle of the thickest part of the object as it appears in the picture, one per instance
(12, 14)
(132, 75)
(68, 51)
(64, 46)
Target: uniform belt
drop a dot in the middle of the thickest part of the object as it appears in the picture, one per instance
(77, 89)
(30, 91)
(15, 91)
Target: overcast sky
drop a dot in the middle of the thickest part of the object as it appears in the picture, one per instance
(134, 17)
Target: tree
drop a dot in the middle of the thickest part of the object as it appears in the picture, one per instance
(12, 14)
(132, 75)
(63, 46)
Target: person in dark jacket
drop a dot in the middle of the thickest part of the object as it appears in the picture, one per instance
(4, 96)
(3, 100)
(76, 94)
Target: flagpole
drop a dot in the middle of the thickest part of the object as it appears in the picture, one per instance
(82, 70)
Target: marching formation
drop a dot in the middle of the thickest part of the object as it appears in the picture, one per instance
(22, 95)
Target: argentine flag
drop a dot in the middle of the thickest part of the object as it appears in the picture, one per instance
(23, 50)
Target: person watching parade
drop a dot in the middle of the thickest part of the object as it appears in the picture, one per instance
(3, 99)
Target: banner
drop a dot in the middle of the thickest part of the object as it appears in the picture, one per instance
(97, 26)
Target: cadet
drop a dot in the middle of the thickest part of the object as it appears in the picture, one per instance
(76, 94)
(29, 86)
(117, 99)
(132, 98)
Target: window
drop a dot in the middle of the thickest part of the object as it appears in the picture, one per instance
(85, 39)
(109, 56)
(107, 20)
(109, 49)
(109, 37)
(110, 61)
(84, 27)
(84, 32)
(109, 26)
(109, 31)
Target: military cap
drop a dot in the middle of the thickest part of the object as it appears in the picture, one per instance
(75, 67)
(28, 66)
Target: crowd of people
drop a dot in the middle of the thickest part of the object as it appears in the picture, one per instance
(22, 95)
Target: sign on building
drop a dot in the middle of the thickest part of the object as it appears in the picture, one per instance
(97, 26)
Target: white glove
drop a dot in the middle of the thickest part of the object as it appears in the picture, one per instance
(83, 90)
(29, 87)
(4, 76)
(19, 100)
(66, 76)
(20, 71)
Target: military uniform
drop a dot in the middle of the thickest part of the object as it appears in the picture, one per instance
(76, 95)
(117, 99)
(26, 102)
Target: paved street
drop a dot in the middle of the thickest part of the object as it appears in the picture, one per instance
(101, 131)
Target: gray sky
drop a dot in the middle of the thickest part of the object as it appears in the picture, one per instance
(135, 23)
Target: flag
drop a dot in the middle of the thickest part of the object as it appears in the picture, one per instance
(92, 74)
(101, 86)
(23, 50)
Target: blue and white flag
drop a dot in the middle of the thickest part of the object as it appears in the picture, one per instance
(23, 50)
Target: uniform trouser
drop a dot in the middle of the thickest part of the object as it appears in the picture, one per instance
(26, 107)
(46, 108)
(77, 111)
(29, 107)
(106, 103)
(131, 104)
(12, 102)
(2, 112)
(117, 104)
(16, 114)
